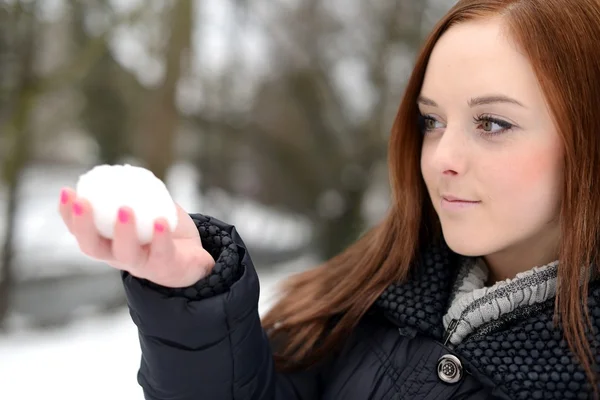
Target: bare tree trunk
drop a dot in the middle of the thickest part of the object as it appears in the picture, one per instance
(19, 139)
(104, 113)
(159, 126)
(334, 235)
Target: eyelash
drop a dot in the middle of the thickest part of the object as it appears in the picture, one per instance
(506, 126)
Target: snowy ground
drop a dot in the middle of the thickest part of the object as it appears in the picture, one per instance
(95, 359)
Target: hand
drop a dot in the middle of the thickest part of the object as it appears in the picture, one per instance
(172, 259)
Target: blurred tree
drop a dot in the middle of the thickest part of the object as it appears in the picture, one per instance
(159, 119)
(111, 93)
(104, 114)
(7, 63)
(24, 86)
(316, 132)
(17, 134)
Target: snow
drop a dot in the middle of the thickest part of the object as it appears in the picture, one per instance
(95, 359)
(110, 187)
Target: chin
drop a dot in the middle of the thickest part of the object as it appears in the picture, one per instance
(467, 245)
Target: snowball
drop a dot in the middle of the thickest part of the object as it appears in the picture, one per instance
(110, 187)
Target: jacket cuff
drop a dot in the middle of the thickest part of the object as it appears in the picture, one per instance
(227, 269)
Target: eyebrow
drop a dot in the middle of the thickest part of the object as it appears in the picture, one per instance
(476, 101)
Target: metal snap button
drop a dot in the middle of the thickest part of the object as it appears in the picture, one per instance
(449, 369)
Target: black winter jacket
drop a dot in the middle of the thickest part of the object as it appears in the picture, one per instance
(206, 342)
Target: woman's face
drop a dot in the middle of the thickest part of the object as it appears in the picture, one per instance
(491, 156)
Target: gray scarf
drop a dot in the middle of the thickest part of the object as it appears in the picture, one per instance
(473, 304)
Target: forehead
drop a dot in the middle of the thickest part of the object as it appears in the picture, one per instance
(477, 58)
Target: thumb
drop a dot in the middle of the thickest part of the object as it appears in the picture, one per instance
(201, 261)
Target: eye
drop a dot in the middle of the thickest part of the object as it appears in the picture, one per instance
(492, 125)
(430, 123)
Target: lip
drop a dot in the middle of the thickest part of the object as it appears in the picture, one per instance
(454, 199)
(450, 202)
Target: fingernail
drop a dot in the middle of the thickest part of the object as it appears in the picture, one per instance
(77, 208)
(64, 196)
(123, 216)
(160, 228)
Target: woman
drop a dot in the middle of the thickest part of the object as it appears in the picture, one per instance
(492, 233)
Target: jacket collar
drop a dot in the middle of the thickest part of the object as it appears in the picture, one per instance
(422, 300)
(420, 303)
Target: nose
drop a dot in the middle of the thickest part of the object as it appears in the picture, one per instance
(449, 156)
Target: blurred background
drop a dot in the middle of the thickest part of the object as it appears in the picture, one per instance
(272, 115)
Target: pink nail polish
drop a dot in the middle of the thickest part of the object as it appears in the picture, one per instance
(77, 208)
(160, 228)
(123, 216)
(64, 196)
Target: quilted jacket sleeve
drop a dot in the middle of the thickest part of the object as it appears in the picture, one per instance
(206, 341)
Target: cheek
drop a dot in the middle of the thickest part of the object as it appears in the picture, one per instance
(528, 181)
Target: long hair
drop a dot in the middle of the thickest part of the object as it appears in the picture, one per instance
(319, 308)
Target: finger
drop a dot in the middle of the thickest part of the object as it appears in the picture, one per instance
(65, 207)
(90, 242)
(162, 248)
(126, 246)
